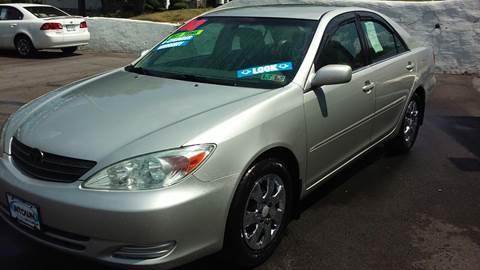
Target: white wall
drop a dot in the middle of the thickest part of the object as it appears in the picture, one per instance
(457, 43)
(123, 35)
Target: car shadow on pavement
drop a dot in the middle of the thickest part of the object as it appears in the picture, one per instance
(342, 177)
(44, 54)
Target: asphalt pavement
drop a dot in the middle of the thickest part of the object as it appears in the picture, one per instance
(417, 211)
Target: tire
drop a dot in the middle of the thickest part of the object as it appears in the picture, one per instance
(69, 50)
(255, 209)
(24, 46)
(411, 122)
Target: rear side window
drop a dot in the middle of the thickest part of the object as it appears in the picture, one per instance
(343, 47)
(10, 13)
(46, 12)
(382, 43)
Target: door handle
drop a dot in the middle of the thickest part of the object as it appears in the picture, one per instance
(368, 87)
(410, 66)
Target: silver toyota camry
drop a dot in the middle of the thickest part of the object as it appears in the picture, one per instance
(208, 141)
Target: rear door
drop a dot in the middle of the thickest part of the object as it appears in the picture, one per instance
(338, 117)
(392, 71)
(10, 18)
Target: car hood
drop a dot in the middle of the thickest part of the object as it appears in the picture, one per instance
(96, 117)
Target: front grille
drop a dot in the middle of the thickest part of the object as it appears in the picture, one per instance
(46, 166)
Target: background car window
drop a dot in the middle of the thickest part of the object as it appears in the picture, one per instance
(46, 12)
(9, 13)
(381, 41)
(343, 47)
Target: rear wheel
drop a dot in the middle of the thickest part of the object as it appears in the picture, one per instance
(412, 119)
(259, 214)
(24, 46)
(69, 50)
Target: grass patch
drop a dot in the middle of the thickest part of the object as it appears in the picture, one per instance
(173, 16)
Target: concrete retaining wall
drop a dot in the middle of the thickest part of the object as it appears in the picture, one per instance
(456, 43)
(123, 35)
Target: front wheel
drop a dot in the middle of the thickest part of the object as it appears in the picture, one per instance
(260, 212)
(405, 139)
(69, 50)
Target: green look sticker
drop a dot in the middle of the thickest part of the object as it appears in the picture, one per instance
(273, 77)
(373, 37)
(186, 34)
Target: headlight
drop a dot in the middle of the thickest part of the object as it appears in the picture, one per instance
(152, 171)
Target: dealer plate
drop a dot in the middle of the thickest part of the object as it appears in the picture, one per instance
(24, 212)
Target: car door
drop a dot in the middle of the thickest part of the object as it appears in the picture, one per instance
(338, 117)
(10, 18)
(393, 72)
(3, 26)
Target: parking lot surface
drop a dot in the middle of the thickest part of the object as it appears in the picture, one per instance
(418, 211)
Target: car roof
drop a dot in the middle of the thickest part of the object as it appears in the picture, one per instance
(307, 12)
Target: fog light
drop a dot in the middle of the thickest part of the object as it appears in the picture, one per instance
(145, 252)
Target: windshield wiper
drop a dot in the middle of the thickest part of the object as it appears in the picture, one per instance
(138, 70)
(194, 78)
(183, 77)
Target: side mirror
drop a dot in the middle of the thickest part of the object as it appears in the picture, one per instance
(332, 74)
(143, 53)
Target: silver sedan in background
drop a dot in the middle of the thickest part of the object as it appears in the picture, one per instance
(208, 142)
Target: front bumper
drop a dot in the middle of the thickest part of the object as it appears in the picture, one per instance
(96, 224)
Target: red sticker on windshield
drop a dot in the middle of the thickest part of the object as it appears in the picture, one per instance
(193, 25)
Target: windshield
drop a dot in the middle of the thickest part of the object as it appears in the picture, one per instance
(46, 12)
(251, 52)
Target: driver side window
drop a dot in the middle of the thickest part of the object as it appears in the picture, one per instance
(343, 47)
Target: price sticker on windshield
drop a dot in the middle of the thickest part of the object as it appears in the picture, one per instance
(194, 24)
(173, 45)
(184, 35)
(179, 39)
(264, 69)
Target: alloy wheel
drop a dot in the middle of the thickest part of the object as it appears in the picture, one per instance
(264, 212)
(411, 123)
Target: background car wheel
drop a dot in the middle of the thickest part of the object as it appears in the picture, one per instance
(24, 46)
(69, 50)
(412, 119)
(259, 214)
